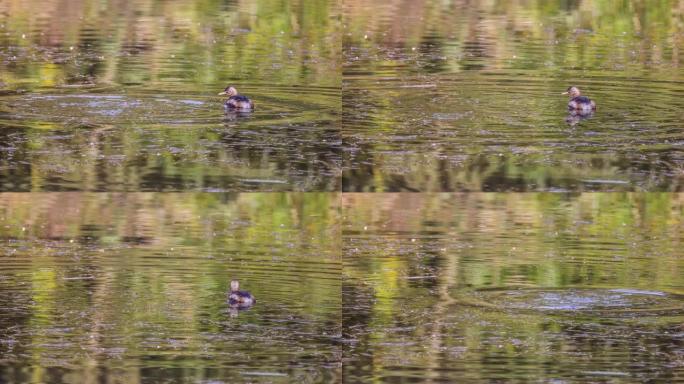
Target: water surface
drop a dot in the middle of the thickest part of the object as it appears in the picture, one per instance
(534, 287)
(136, 140)
(121, 96)
(465, 96)
(131, 287)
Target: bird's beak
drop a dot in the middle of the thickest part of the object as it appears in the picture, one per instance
(565, 93)
(222, 93)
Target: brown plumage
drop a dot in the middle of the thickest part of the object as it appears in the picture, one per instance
(236, 101)
(239, 298)
(578, 102)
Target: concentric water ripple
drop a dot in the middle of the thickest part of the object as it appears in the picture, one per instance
(443, 96)
(521, 287)
(617, 302)
(141, 279)
(277, 105)
(106, 139)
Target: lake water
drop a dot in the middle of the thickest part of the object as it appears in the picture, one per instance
(466, 96)
(110, 96)
(130, 198)
(551, 288)
(129, 288)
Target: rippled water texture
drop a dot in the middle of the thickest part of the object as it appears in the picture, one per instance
(142, 298)
(466, 96)
(535, 287)
(122, 96)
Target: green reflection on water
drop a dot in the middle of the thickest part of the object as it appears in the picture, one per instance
(465, 96)
(453, 36)
(433, 283)
(46, 43)
(143, 296)
(122, 96)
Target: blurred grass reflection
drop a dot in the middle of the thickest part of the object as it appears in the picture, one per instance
(489, 287)
(44, 43)
(537, 35)
(442, 96)
(133, 286)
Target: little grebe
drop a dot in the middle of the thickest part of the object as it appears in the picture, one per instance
(239, 298)
(579, 102)
(235, 100)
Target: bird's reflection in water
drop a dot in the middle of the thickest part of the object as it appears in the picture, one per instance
(235, 309)
(234, 115)
(575, 116)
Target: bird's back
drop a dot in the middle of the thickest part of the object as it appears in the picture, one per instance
(242, 297)
(239, 102)
(581, 102)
